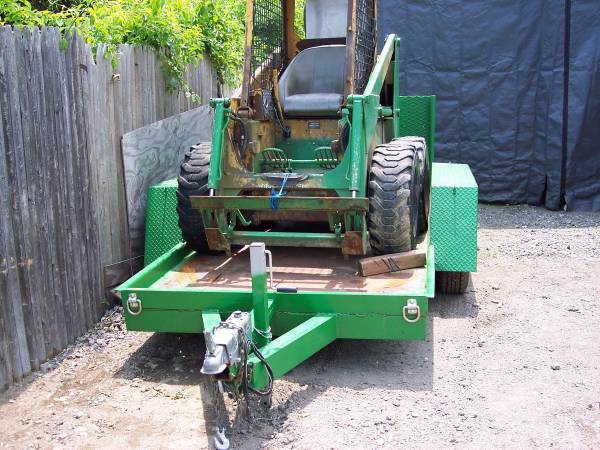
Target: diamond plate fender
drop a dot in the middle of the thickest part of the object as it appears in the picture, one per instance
(162, 228)
(453, 222)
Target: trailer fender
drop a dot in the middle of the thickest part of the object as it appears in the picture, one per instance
(453, 217)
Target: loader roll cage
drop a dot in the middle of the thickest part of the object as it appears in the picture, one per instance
(271, 42)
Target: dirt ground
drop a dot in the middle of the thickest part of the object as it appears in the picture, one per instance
(515, 363)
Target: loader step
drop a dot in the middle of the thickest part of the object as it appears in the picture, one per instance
(290, 203)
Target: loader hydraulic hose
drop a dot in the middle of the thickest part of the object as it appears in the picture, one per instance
(244, 143)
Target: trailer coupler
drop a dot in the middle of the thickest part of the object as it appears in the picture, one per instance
(225, 344)
(228, 347)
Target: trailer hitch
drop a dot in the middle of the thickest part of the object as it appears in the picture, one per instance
(225, 343)
(230, 343)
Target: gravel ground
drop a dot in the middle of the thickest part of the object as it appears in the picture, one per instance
(514, 363)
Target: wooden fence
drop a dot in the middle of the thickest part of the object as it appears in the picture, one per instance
(62, 203)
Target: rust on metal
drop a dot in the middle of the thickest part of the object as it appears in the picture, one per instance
(332, 204)
(352, 244)
(257, 217)
(247, 52)
(350, 48)
(216, 241)
(291, 38)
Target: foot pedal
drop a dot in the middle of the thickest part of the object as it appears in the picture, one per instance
(275, 160)
(326, 158)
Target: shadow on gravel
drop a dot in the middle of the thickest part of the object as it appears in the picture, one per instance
(166, 358)
(447, 306)
(14, 391)
(175, 359)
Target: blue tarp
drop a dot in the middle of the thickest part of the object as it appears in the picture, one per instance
(583, 137)
(518, 91)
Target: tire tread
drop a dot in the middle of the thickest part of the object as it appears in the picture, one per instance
(193, 181)
(452, 282)
(394, 175)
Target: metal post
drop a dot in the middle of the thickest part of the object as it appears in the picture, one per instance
(357, 155)
(258, 265)
(396, 87)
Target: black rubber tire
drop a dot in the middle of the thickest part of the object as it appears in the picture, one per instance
(425, 194)
(452, 282)
(394, 197)
(420, 145)
(193, 181)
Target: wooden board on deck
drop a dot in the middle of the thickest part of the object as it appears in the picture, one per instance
(394, 262)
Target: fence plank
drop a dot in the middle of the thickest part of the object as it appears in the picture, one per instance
(14, 357)
(79, 190)
(12, 343)
(29, 263)
(31, 160)
(22, 218)
(53, 203)
(91, 244)
(98, 148)
(13, 145)
(42, 181)
(73, 272)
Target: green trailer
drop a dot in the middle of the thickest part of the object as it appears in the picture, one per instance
(314, 165)
(313, 296)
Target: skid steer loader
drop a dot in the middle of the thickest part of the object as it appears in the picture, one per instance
(308, 153)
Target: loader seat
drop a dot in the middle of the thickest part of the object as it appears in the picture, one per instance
(313, 83)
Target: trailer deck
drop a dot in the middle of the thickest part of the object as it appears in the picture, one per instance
(177, 291)
(305, 269)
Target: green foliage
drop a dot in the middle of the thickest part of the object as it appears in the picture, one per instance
(53, 5)
(181, 31)
(299, 19)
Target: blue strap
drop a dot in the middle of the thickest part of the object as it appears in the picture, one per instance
(275, 195)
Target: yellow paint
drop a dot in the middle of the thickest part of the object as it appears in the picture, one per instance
(328, 128)
(291, 38)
